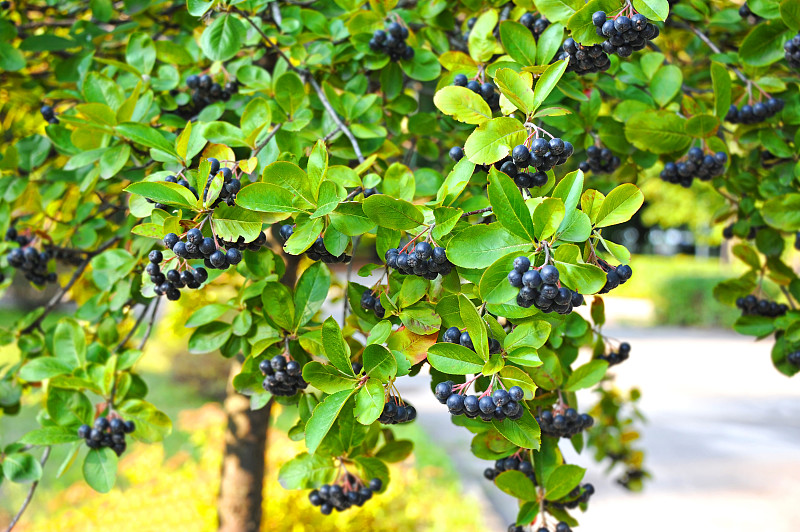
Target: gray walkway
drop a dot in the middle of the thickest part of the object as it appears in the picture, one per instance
(723, 439)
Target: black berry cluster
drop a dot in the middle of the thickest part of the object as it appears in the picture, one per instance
(539, 288)
(396, 412)
(617, 357)
(727, 232)
(512, 463)
(107, 433)
(797, 241)
(792, 49)
(206, 91)
(49, 114)
(198, 246)
(371, 301)
(584, 59)
(756, 113)
(542, 156)
(624, 35)
(5, 4)
(487, 90)
(317, 251)
(793, 358)
(335, 497)
(453, 335)
(566, 425)
(580, 495)
(748, 15)
(32, 263)
(537, 25)
(282, 377)
(629, 477)
(182, 182)
(753, 306)
(170, 283)
(560, 527)
(230, 184)
(615, 275)
(501, 404)
(392, 42)
(600, 161)
(470, 24)
(698, 164)
(424, 261)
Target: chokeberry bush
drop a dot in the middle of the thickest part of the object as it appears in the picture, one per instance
(237, 158)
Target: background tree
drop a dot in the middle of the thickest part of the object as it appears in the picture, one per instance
(248, 147)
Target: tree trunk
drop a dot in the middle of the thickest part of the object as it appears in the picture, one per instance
(244, 460)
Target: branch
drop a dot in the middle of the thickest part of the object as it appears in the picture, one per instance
(354, 193)
(479, 211)
(714, 48)
(31, 491)
(266, 140)
(75, 276)
(132, 331)
(150, 325)
(307, 74)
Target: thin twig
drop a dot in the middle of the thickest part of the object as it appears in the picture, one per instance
(266, 140)
(133, 330)
(788, 297)
(327, 105)
(327, 137)
(354, 193)
(31, 491)
(150, 324)
(703, 37)
(75, 276)
(479, 211)
(347, 281)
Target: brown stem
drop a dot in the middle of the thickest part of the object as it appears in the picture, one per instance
(31, 491)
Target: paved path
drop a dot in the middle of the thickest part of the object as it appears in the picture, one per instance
(723, 439)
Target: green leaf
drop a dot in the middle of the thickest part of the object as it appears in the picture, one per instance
(310, 293)
(22, 467)
(760, 326)
(11, 59)
(206, 314)
(421, 318)
(335, 347)
(482, 42)
(290, 92)
(620, 205)
(548, 81)
(547, 217)
(265, 197)
(657, 132)
(293, 178)
(585, 278)
(783, 212)
(667, 82)
(549, 43)
(493, 140)
(209, 337)
(558, 10)
(462, 104)
(100, 469)
(523, 432)
(369, 402)
(141, 52)
(580, 24)
(702, 126)
(307, 471)
(146, 136)
(225, 133)
(349, 218)
(152, 424)
(494, 286)
(478, 245)
(790, 14)
(652, 9)
(475, 326)
(327, 378)
(395, 451)
(516, 484)
(508, 205)
(516, 87)
(528, 334)
(330, 195)
(562, 480)
(586, 375)
(163, 192)
(392, 213)
(764, 44)
(454, 359)
(43, 368)
(317, 166)
(223, 38)
(379, 363)
(231, 223)
(423, 67)
(323, 418)
(721, 80)
(278, 304)
(519, 43)
(513, 376)
(198, 7)
(49, 436)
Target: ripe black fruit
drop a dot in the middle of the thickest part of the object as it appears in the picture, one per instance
(394, 44)
(624, 35)
(563, 424)
(352, 492)
(703, 167)
(753, 306)
(792, 52)
(600, 161)
(282, 378)
(616, 357)
(584, 59)
(107, 433)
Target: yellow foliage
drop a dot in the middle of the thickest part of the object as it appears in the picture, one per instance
(179, 494)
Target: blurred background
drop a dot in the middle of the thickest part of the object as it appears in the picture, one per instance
(722, 437)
